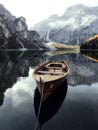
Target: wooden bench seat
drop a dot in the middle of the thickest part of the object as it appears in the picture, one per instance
(47, 72)
(58, 68)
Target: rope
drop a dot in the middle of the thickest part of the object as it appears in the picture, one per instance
(37, 123)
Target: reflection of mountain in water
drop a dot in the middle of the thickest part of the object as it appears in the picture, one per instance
(82, 70)
(92, 55)
(14, 64)
(51, 105)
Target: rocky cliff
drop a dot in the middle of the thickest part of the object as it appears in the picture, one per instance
(14, 33)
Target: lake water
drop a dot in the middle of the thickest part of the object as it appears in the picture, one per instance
(74, 106)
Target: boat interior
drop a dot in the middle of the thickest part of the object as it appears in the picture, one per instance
(53, 69)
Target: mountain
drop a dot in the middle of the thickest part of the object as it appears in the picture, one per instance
(14, 33)
(4, 12)
(77, 24)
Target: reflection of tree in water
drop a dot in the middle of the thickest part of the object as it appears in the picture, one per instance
(14, 64)
(51, 105)
(92, 55)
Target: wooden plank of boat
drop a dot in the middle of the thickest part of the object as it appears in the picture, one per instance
(47, 72)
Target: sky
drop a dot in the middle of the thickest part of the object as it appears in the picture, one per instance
(37, 10)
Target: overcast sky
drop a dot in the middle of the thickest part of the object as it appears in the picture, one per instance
(37, 10)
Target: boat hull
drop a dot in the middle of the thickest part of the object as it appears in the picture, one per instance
(48, 88)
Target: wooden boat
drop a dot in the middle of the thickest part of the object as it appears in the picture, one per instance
(49, 76)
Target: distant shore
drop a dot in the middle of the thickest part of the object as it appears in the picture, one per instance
(60, 46)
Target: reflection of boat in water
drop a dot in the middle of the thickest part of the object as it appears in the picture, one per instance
(51, 105)
(49, 76)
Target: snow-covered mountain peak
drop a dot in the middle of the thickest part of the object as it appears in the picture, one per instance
(79, 11)
(77, 21)
(53, 17)
(88, 19)
(73, 9)
(76, 7)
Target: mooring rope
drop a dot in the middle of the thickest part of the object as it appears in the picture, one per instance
(37, 123)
